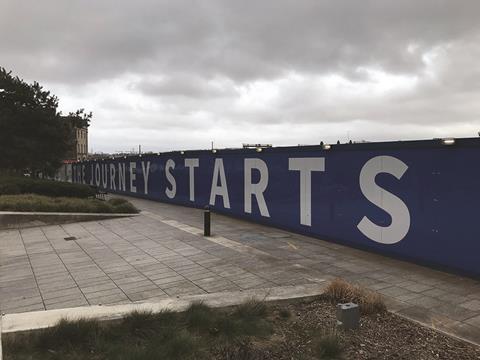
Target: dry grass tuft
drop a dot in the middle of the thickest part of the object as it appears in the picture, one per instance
(340, 291)
(328, 345)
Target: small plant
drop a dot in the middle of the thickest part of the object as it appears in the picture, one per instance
(372, 303)
(145, 323)
(180, 345)
(74, 334)
(340, 291)
(251, 309)
(249, 319)
(284, 313)
(138, 320)
(328, 346)
(227, 328)
(240, 350)
(199, 317)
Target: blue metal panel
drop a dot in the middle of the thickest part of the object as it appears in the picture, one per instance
(440, 188)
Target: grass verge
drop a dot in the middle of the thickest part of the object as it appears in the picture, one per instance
(32, 202)
(14, 185)
(251, 331)
(145, 336)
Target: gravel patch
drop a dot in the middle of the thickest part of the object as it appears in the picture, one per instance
(380, 336)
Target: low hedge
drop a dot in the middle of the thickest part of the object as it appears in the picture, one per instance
(40, 203)
(25, 185)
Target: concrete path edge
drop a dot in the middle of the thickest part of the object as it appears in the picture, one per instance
(35, 320)
(19, 219)
(440, 330)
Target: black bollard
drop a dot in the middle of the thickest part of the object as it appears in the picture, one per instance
(206, 222)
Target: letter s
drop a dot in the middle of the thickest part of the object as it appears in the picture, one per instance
(385, 200)
(173, 190)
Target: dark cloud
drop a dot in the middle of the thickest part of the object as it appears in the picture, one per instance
(185, 85)
(242, 40)
(217, 68)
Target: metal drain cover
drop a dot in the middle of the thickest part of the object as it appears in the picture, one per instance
(70, 238)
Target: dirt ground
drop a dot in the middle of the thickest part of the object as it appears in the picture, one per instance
(380, 336)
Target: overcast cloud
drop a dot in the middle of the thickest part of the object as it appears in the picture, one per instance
(179, 74)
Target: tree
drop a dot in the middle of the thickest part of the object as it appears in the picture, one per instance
(80, 118)
(33, 134)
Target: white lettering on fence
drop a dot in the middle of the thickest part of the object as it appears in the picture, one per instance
(112, 176)
(133, 176)
(219, 190)
(306, 166)
(146, 174)
(257, 189)
(121, 177)
(97, 174)
(385, 200)
(104, 175)
(191, 164)
(173, 184)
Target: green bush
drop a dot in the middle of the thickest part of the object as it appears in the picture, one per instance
(117, 201)
(40, 203)
(125, 208)
(199, 317)
(24, 185)
(9, 188)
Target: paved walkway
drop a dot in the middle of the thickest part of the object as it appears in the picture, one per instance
(162, 253)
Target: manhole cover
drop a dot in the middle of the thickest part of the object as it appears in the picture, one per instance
(70, 238)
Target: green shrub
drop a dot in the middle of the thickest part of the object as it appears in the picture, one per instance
(199, 317)
(117, 201)
(252, 308)
(73, 334)
(10, 185)
(285, 313)
(9, 188)
(40, 203)
(139, 321)
(125, 208)
(180, 345)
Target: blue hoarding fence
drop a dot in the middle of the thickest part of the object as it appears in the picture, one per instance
(416, 200)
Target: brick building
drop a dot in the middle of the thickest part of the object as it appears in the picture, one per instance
(81, 143)
(79, 140)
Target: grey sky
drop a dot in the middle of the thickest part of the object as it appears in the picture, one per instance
(179, 74)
